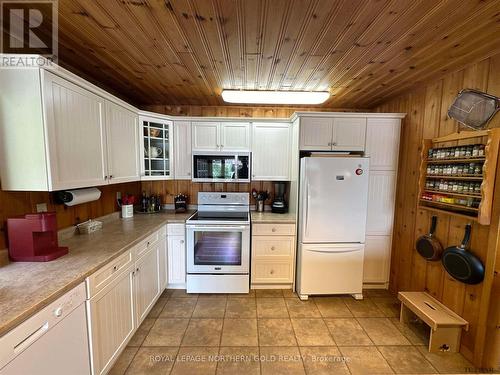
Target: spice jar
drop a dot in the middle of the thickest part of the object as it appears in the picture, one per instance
(480, 151)
(475, 151)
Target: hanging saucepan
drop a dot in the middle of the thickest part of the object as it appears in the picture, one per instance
(427, 245)
(461, 264)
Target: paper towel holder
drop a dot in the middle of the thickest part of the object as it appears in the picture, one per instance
(77, 196)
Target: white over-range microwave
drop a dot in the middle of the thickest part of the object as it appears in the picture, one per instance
(221, 167)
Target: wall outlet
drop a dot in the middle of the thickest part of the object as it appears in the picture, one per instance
(41, 207)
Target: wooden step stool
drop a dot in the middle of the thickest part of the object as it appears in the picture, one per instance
(446, 326)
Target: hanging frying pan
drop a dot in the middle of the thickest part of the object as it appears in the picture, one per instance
(427, 245)
(461, 264)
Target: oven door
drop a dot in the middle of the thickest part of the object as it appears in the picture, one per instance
(218, 248)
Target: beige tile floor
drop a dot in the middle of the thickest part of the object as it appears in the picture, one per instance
(273, 332)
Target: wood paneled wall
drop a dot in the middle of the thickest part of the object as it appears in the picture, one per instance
(427, 118)
(169, 188)
(18, 203)
(237, 111)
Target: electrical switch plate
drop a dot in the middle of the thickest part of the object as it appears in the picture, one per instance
(41, 207)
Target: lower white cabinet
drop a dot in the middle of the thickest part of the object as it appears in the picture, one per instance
(111, 321)
(176, 256)
(163, 262)
(120, 296)
(377, 259)
(147, 282)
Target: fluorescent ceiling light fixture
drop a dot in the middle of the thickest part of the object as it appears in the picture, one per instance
(274, 97)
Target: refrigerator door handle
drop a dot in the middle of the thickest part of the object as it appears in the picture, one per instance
(306, 208)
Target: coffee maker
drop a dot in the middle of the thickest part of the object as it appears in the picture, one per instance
(279, 204)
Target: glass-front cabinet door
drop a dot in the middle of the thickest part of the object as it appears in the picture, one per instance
(156, 148)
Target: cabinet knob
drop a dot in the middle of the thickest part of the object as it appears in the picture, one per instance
(182, 241)
(148, 243)
(110, 176)
(271, 272)
(189, 173)
(115, 268)
(334, 143)
(272, 248)
(329, 143)
(105, 177)
(273, 230)
(137, 269)
(222, 146)
(58, 312)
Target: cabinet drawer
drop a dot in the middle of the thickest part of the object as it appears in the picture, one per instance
(273, 229)
(101, 278)
(272, 246)
(273, 271)
(145, 244)
(175, 229)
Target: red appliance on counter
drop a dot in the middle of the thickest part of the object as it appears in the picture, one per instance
(33, 238)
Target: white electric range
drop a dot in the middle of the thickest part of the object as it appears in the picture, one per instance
(218, 244)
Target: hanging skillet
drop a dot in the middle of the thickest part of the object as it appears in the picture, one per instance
(461, 264)
(427, 245)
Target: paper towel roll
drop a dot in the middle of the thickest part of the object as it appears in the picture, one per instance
(74, 197)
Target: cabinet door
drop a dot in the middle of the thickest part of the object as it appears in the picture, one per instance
(271, 152)
(381, 197)
(76, 134)
(349, 134)
(377, 259)
(382, 143)
(176, 261)
(235, 136)
(205, 136)
(162, 246)
(147, 282)
(122, 140)
(112, 322)
(316, 133)
(182, 150)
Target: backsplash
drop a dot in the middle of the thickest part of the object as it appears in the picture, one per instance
(14, 203)
(169, 188)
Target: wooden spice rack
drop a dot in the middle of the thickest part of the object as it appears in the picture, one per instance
(482, 214)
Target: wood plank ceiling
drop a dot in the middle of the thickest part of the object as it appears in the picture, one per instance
(187, 51)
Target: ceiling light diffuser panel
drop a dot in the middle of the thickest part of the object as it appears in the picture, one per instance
(274, 97)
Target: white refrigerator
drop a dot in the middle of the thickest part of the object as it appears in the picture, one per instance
(332, 220)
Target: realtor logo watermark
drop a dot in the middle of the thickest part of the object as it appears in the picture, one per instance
(28, 28)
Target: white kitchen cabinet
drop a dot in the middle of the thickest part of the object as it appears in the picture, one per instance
(122, 140)
(235, 136)
(147, 281)
(111, 321)
(316, 133)
(182, 150)
(176, 255)
(382, 143)
(163, 263)
(68, 134)
(271, 151)
(377, 259)
(75, 134)
(217, 136)
(156, 147)
(349, 134)
(205, 136)
(381, 198)
(332, 133)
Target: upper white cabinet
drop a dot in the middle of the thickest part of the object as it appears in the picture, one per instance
(122, 144)
(65, 135)
(382, 142)
(156, 146)
(332, 133)
(182, 150)
(217, 136)
(271, 143)
(75, 134)
(349, 134)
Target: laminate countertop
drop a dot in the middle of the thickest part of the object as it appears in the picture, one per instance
(27, 287)
(270, 217)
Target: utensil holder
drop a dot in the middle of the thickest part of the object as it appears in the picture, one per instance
(127, 211)
(259, 206)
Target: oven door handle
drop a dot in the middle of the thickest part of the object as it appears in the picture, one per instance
(217, 228)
